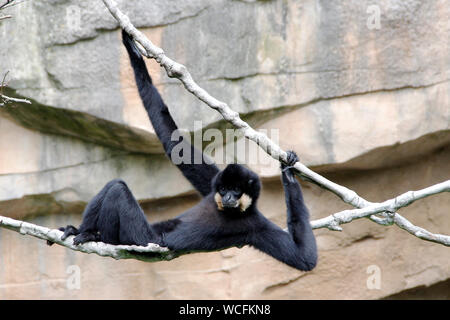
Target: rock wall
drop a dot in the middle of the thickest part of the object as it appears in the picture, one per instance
(367, 107)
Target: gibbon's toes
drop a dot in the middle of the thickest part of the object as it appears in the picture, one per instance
(50, 243)
(86, 237)
(79, 239)
(69, 231)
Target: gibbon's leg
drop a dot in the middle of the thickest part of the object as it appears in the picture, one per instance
(113, 216)
(90, 214)
(90, 217)
(121, 219)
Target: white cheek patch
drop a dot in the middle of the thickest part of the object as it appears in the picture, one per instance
(218, 200)
(244, 202)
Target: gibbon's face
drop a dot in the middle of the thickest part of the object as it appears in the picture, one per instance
(236, 187)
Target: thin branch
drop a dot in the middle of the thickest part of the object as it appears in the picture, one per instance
(7, 99)
(15, 3)
(3, 84)
(5, 4)
(333, 221)
(152, 252)
(420, 232)
(11, 3)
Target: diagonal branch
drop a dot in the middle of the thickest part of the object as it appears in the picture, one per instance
(177, 70)
(9, 3)
(4, 3)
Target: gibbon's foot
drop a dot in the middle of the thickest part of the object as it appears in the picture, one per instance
(86, 237)
(50, 243)
(69, 231)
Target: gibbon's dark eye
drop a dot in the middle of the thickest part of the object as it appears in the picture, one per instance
(222, 189)
(237, 189)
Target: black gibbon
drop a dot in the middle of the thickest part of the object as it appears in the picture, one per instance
(226, 216)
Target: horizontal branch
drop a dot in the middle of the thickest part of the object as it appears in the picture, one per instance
(7, 99)
(153, 252)
(390, 206)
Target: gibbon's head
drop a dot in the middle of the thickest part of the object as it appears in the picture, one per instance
(236, 188)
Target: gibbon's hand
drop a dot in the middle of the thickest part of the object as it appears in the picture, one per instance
(287, 168)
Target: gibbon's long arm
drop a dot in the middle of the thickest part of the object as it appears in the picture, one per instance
(297, 247)
(199, 175)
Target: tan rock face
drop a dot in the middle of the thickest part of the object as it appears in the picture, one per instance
(367, 107)
(30, 269)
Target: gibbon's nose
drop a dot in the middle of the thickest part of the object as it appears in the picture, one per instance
(229, 201)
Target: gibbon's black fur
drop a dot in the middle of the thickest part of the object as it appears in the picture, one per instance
(226, 216)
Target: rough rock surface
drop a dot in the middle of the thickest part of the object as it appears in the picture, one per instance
(368, 107)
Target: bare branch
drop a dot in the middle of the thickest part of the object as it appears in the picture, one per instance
(3, 84)
(153, 252)
(9, 3)
(7, 99)
(420, 232)
(333, 221)
(4, 3)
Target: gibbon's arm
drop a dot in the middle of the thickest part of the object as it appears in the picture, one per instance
(297, 247)
(199, 175)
